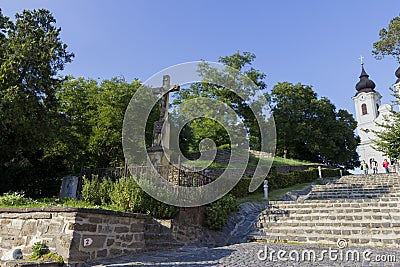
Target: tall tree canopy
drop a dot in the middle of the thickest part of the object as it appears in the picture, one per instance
(388, 136)
(207, 128)
(91, 132)
(389, 41)
(31, 57)
(309, 128)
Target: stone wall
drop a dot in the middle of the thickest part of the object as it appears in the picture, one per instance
(78, 235)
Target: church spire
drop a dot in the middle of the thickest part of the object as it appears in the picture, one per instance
(365, 84)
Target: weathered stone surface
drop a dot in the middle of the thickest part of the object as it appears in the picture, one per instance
(101, 253)
(86, 227)
(65, 229)
(110, 242)
(121, 229)
(105, 229)
(115, 252)
(98, 241)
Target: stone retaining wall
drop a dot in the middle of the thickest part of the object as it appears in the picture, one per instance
(78, 235)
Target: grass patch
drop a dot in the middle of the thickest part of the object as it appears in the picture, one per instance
(253, 161)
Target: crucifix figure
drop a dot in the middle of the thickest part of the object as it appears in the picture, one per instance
(163, 103)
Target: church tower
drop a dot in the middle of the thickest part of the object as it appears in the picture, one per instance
(367, 103)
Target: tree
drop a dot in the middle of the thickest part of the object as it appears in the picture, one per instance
(32, 55)
(31, 58)
(309, 128)
(92, 126)
(208, 128)
(388, 136)
(389, 41)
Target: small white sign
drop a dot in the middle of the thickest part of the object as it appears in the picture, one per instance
(87, 242)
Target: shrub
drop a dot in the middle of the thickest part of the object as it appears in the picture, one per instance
(241, 189)
(41, 252)
(217, 213)
(127, 195)
(159, 209)
(15, 199)
(39, 249)
(95, 191)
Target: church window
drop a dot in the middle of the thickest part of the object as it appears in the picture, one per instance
(364, 109)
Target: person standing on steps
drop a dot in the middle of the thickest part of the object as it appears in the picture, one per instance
(385, 165)
(374, 166)
(364, 167)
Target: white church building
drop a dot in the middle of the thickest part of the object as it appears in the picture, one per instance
(369, 113)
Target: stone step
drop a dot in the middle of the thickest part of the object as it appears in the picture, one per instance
(160, 245)
(356, 186)
(348, 196)
(158, 236)
(391, 225)
(337, 231)
(320, 211)
(328, 239)
(337, 202)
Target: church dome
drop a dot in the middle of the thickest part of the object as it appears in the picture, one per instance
(365, 84)
(397, 73)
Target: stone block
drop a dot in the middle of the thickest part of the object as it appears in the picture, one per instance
(104, 229)
(121, 229)
(127, 238)
(95, 219)
(86, 227)
(29, 228)
(110, 242)
(16, 224)
(98, 241)
(115, 252)
(101, 253)
(137, 227)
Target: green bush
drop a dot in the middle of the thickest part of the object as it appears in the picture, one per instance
(41, 252)
(95, 191)
(39, 249)
(217, 213)
(159, 209)
(128, 196)
(15, 199)
(125, 195)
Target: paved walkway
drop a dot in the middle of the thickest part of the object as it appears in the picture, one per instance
(259, 254)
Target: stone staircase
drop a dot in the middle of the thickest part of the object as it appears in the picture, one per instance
(158, 235)
(361, 209)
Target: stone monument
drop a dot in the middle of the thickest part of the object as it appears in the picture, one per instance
(69, 187)
(161, 131)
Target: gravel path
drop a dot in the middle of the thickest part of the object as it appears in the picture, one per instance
(259, 254)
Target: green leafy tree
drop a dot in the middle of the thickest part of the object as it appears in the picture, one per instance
(31, 58)
(309, 128)
(388, 136)
(208, 128)
(389, 41)
(32, 54)
(92, 126)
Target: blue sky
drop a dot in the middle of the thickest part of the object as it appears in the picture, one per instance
(314, 42)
